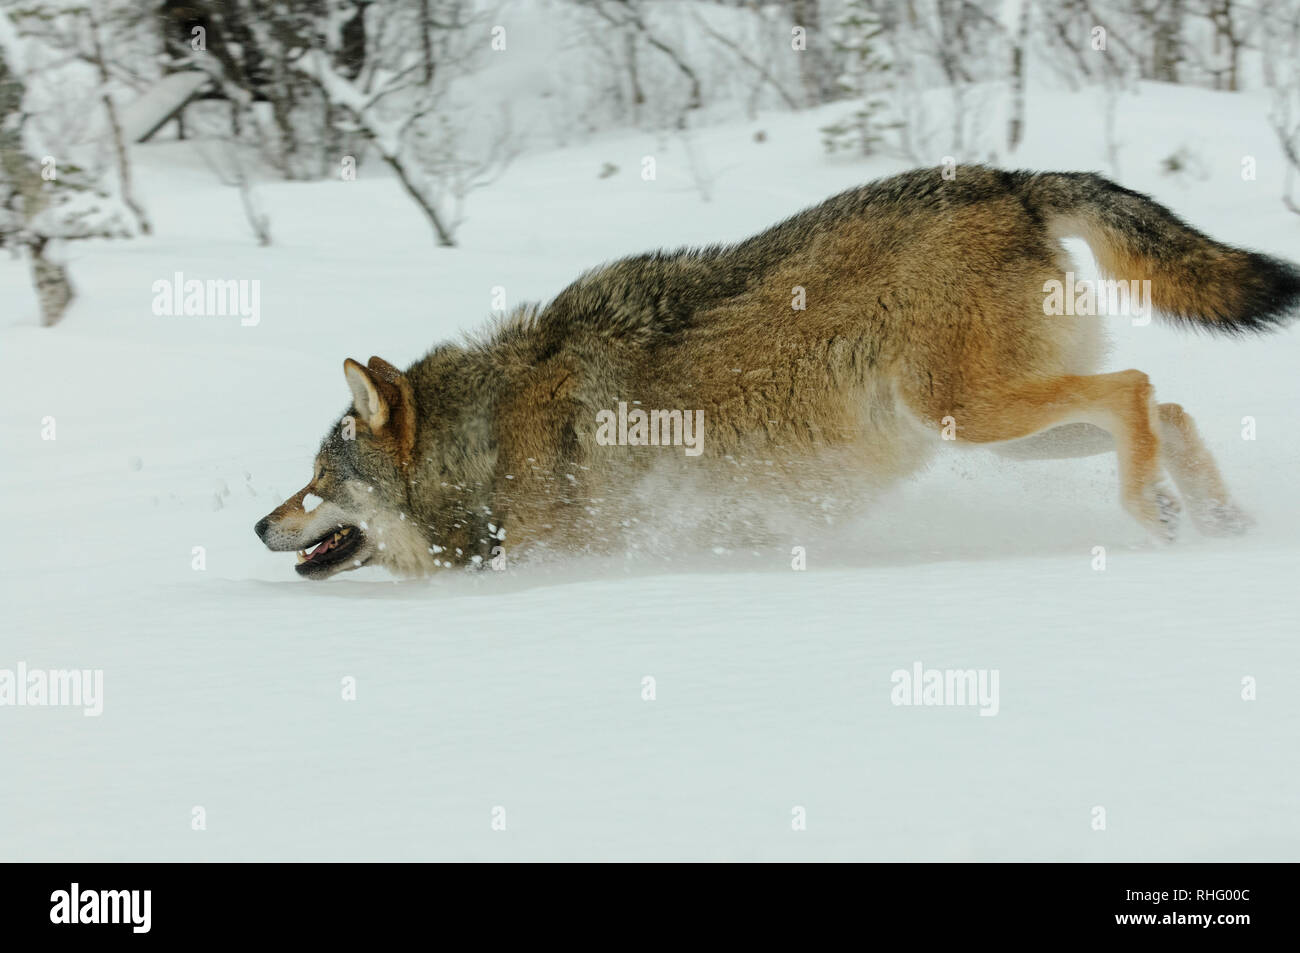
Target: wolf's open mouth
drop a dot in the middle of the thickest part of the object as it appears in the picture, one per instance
(329, 551)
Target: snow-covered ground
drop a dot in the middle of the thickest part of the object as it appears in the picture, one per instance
(522, 690)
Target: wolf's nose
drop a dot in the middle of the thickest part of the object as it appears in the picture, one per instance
(262, 526)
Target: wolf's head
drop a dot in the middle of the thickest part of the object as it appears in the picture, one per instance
(356, 509)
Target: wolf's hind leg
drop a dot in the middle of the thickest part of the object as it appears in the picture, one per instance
(1197, 476)
(1120, 403)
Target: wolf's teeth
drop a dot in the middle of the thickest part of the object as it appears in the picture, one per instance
(337, 537)
(302, 556)
(346, 530)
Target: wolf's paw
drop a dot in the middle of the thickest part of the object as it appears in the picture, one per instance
(1159, 510)
(1218, 518)
(1170, 510)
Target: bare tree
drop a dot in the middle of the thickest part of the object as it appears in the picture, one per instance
(1167, 18)
(454, 172)
(816, 61)
(762, 72)
(628, 16)
(1016, 124)
(386, 135)
(1230, 31)
(100, 60)
(403, 103)
(38, 210)
(954, 45)
(224, 154)
(1281, 60)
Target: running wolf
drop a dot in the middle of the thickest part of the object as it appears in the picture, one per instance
(847, 339)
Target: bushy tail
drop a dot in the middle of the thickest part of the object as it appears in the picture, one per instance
(1194, 279)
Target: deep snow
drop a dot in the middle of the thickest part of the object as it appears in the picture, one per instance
(1119, 688)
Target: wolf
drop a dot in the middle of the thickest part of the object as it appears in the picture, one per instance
(847, 342)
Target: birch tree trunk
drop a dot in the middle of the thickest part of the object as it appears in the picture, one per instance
(49, 278)
(1016, 125)
(115, 129)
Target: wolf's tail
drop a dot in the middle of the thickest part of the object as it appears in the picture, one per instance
(1194, 279)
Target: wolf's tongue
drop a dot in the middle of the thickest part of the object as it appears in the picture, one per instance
(321, 547)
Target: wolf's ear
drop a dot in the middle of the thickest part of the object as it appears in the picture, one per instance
(367, 395)
(385, 402)
(383, 368)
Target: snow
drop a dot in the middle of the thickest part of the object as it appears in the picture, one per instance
(223, 686)
(75, 214)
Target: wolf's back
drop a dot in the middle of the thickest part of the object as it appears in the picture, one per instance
(1194, 279)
